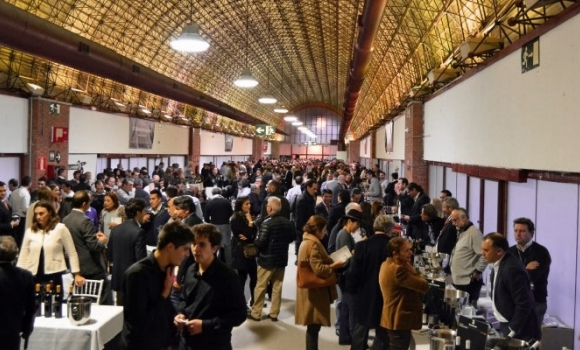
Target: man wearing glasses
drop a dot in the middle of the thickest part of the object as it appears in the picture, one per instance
(467, 263)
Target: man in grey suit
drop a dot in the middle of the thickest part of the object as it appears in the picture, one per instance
(127, 244)
(89, 245)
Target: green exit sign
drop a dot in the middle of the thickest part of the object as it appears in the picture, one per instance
(265, 130)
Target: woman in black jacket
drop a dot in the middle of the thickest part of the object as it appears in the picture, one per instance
(243, 233)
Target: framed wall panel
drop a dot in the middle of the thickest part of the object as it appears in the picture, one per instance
(473, 205)
(461, 189)
(521, 203)
(557, 230)
(490, 206)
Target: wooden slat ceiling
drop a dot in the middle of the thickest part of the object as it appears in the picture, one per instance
(299, 50)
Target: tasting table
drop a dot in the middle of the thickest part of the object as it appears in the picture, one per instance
(60, 334)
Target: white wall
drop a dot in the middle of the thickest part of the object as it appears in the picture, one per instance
(91, 132)
(365, 147)
(503, 118)
(398, 140)
(14, 122)
(213, 143)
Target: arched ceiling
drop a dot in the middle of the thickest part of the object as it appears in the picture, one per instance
(299, 50)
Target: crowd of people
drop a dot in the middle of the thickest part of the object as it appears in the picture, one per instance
(189, 292)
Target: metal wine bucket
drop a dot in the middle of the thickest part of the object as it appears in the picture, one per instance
(79, 310)
(442, 339)
(514, 344)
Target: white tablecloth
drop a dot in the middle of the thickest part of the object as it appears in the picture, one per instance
(60, 334)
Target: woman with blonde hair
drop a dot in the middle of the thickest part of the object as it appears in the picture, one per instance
(313, 304)
(44, 245)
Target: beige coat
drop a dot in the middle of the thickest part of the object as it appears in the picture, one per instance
(313, 304)
(402, 295)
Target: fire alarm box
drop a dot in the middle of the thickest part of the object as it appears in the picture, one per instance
(59, 134)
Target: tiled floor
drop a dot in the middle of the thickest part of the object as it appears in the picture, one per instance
(284, 335)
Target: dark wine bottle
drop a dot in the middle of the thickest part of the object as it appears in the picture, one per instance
(47, 301)
(38, 299)
(57, 305)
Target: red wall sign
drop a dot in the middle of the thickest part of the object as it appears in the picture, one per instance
(59, 134)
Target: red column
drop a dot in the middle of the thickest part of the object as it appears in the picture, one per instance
(415, 165)
(258, 148)
(41, 145)
(354, 151)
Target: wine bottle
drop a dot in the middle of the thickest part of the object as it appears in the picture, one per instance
(467, 344)
(47, 301)
(70, 293)
(38, 299)
(57, 305)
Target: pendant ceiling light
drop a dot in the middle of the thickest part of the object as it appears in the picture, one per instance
(190, 39)
(267, 98)
(281, 110)
(246, 79)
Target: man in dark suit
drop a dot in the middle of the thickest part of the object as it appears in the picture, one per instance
(185, 211)
(323, 208)
(89, 245)
(417, 229)
(434, 223)
(448, 235)
(536, 259)
(305, 204)
(155, 210)
(7, 225)
(363, 283)
(390, 194)
(17, 307)
(218, 211)
(139, 191)
(287, 177)
(127, 244)
(511, 292)
(148, 312)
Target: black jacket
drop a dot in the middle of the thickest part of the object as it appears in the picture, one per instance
(417, 228)
(305, 205)
(147, 316)
(274, 236)
(513, 298)
(217, 298)
(126, 246)
(538, 276)
(218, 211)
(447, 238)
(17, 307)
(363, 279)
(6, 220)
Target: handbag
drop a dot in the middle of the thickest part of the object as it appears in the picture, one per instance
(250, 251)
(306, 278)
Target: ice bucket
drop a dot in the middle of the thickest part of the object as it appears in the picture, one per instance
(442, 339)
(79, 310)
